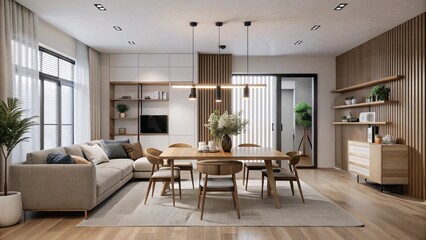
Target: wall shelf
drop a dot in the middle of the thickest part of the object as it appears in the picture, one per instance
(366, 104)
(116, 134)
(118, 99)
(155, 100)
(126, 118)
(368, 84)
(360, 123)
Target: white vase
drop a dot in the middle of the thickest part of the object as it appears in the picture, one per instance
(10, 208)
(122, 115)
(354, 101)
(348, 102)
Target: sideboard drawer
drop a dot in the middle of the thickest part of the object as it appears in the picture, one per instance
(359, 160)
(359, 150)
(359, 170)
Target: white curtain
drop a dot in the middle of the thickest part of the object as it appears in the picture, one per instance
(19, 60)
(81, 95)
(259, 110)
(95, 93)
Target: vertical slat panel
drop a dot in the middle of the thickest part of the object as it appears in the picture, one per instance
(212, 69)
(400, 51)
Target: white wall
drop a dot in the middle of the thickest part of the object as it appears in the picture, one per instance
(56, 40)
(325, 67)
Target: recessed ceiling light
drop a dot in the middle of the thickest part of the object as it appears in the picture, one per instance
(117, 28)
(100, 7)
(340, 6)
(298, 42)
(131, 42)
(315, 27)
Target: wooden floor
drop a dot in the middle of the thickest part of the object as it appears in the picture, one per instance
(385, 215)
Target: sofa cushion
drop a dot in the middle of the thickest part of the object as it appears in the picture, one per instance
(39, 157)
(142, 165)
(79, 160)
(124, 165)
(134, 150)
(94, 153)
(106, 178)
(114, 150)
(74, 150)
(106, 141)
(59, 158)
(94, 142)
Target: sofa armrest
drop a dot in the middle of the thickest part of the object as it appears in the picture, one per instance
(55, 186)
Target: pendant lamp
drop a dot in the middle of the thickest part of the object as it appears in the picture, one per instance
(218, 88)
(246, 93)
(193, 94)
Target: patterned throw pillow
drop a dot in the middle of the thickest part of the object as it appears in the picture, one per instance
(134, 150)
(94, 153)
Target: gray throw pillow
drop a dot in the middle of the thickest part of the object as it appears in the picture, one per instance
(114, 148)
(58, 158)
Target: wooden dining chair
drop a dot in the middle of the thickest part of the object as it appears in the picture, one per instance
(163, 174)
(286, 175)
(183, 165)
(218, 184)
(252, 165)
(291, 154)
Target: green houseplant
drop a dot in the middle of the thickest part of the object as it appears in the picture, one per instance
(122, 109)
(381, 92)
(304, 118)
(13, 127)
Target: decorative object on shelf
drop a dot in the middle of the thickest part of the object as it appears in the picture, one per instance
(381, 92)
(348, 100)
(353, 101)
(371, 133)
(367, 117)
(126, 97)
(122, 131)
(377, 139)
(304, 118)
(225, 124)
(368, 99)
(388, 139)
(13, 128)
(122, 109)
(344, 119)
(348, 115)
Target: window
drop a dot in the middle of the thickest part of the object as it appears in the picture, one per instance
(259, 109)
(57, 91)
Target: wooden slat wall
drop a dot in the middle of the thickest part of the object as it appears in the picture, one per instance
(212, 69)
(399, 51)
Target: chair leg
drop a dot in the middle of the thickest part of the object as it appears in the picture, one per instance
(153, 189)
(199, 195)
(247, 177)
(244, 172)
(180, 190)
(204, 196)
(235, 196)
(292, 187)
(192, 179)
(300, 190)
(261, 192)
(199, 179)
(147, 191)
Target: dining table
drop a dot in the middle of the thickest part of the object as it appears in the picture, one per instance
(236, 154)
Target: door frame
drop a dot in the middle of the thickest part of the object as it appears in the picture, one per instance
(314, 77)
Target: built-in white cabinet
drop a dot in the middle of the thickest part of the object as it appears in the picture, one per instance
(124, 60)
(154, 60)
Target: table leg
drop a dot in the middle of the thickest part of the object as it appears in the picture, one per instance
(166, 186)
(172, 182)
(271, 180)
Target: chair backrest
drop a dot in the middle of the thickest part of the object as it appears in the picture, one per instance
(180, 145)
(152, 154)
(294, 160)
(293, 153)
(248, 145)
(219, 167)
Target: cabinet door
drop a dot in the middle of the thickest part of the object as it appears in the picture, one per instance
(182, 113)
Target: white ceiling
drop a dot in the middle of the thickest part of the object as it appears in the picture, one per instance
(162, 26)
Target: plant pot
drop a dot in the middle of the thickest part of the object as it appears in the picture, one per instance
(10, 208)
(348, 102)
(122, 115)
(353, 101)
(226, 143)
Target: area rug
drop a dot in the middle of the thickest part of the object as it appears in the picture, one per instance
(126, 208)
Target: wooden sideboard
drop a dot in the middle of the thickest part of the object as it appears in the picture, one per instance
(385, 164)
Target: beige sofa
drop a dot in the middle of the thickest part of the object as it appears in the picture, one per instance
(71, 187)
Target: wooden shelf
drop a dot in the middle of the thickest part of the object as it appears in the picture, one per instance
(137, 83)
(360, 123)
(155, 100)
(133, 99)
(132, 135)
(126, 118)
(368, 84)
(366, 104)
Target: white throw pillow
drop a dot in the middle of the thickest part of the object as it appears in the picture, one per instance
(94, 153)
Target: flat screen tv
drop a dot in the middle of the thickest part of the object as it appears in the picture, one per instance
(154, 124)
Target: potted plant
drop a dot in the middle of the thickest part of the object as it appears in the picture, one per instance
(344, 119)
(13, 127)
(304, 118)
(122, 109)
(348, 100)
(381, 92)
(225, 125)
